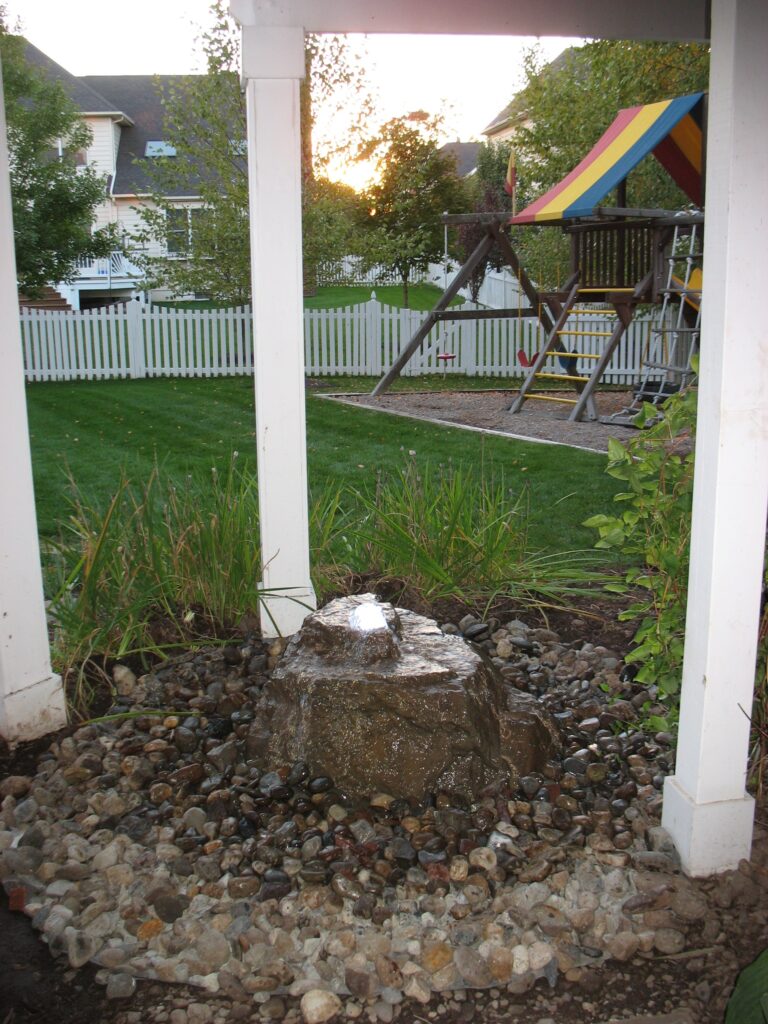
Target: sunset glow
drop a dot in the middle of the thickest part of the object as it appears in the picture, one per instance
(466, 79)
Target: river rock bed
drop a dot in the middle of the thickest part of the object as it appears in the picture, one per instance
(158, 847)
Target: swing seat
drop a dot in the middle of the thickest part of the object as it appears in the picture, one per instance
(524, 360)
(446, 357)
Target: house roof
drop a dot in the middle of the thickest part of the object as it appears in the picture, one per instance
(517, 109)
(134, 101)
(141, 96)
(87, 99)
(465, 155)
(671, 130)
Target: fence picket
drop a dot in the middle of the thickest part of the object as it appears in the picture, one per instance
(136, 341)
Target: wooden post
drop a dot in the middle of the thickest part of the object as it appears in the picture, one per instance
(31, 696)
(273, 64)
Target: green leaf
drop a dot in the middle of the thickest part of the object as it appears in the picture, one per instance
(748, 1003)
(616, 451)
(595, 522)
(657, 723)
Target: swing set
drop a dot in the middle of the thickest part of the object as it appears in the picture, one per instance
(620, 258)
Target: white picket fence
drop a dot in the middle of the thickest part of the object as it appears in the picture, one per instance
(131, 340)
(352, 270)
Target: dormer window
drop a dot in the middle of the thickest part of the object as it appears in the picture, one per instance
(159, 148)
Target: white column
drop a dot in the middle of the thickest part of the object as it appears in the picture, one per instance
(706, 808)
(273, 64)
(31, 696)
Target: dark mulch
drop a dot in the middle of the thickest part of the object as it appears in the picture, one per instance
(34, 987)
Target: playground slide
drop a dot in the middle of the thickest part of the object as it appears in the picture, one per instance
(695, 283)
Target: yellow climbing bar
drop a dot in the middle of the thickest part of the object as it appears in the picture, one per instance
(601, 291)
(551, 398)
(560, 376)
(589, 334)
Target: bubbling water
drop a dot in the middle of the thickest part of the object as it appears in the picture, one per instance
(366, 618)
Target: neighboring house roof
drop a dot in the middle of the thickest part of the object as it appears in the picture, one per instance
(87, 99)
(141, 95)
(133, 101)
(465, 155)
(516, 111)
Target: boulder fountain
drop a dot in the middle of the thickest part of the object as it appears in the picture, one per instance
(381, 700)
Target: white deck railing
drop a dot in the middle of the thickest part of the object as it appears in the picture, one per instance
(131, 340)
(106, 267)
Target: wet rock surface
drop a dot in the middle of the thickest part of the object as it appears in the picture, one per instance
(163, 848)
(399, 707)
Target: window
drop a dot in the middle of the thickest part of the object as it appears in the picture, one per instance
(179, 229)
(159, 148)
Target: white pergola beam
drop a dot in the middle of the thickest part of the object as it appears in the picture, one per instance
(596, 19)
(706, 808)
(274, 60)
(31, 695)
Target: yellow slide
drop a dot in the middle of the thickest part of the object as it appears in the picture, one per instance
(695, 282)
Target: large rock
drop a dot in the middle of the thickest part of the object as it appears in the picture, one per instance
(380, 700)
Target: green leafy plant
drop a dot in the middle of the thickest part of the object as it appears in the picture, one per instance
(749, 1002)
(653, 528)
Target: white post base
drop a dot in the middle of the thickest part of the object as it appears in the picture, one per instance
(283, 612)
(34, 711)
(710, 837)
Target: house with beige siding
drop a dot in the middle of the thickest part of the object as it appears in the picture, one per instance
(514, 116)
(125, 117)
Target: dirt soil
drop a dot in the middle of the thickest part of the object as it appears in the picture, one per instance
(489, 410)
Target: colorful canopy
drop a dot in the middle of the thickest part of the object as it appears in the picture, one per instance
(671, 130)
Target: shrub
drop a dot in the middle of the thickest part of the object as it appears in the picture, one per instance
(654, 528)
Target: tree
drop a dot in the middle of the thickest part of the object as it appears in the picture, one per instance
(485, 194)
(205, 121)
(564, 109)
(53, 197)
(331, 217)
(416, 185)
(567, 110)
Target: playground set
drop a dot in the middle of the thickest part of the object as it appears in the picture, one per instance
(621, 258)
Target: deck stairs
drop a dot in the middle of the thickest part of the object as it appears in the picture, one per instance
(674, 338)
(576, 354)
(49, 298)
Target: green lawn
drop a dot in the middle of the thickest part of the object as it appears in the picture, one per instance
(93, 429)
(420, 296)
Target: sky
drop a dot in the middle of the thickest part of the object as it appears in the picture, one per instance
(466, 79)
